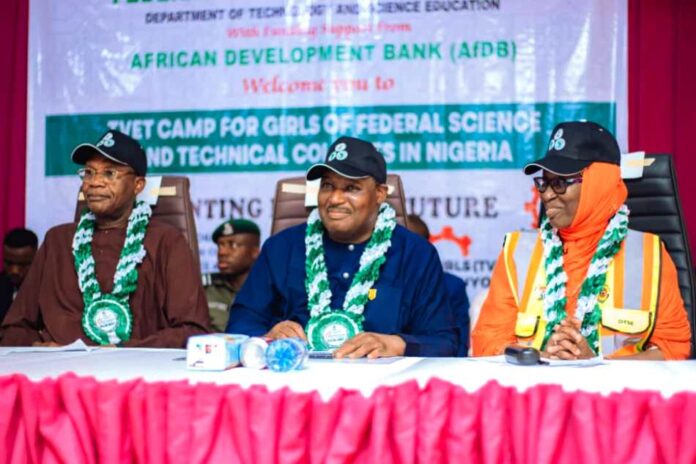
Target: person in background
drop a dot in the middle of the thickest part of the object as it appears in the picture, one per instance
(18, 250)
(456, 289)
(350, 280)
(584, 284)
(238, 242)
(116, 278)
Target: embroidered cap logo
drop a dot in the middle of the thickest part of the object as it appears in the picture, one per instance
(557, 143)
(339, 152)
(107, 140)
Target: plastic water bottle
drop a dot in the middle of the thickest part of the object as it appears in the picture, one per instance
(252, 354)
(286, 354)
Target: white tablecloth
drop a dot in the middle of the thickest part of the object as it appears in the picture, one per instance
(327, 376)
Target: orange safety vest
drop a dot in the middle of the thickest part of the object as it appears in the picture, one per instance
(628, 300)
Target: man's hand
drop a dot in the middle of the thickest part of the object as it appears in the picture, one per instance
(372, 345)
(568, 343)
(286, 329)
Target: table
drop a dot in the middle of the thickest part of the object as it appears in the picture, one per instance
(138, 405)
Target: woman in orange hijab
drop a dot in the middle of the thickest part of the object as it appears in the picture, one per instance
(584, 285)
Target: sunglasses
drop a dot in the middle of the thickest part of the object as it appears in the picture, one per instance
(558, 184)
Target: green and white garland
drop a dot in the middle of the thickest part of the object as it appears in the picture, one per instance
(107, 318)
(317, 281)
(555, 299)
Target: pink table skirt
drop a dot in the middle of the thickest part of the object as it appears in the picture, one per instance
(80, 420)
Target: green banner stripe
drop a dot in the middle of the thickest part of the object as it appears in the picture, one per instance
(485, 136)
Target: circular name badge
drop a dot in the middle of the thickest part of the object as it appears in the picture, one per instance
(107, 321)
(330, 330)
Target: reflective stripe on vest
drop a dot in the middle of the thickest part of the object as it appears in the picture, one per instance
(628, 300)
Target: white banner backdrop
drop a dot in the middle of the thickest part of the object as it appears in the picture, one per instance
(458, 95)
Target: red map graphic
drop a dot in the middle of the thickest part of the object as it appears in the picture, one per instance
(447, 233)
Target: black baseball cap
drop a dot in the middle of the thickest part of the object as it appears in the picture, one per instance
(352, 158)
(117, 147)
(575, 145)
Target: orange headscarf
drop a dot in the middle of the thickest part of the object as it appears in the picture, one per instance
(602, 194)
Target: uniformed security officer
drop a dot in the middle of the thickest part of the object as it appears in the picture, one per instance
(238, 242)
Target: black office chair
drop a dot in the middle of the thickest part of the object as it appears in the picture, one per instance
(655, 207)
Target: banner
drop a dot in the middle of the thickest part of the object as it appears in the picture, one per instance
(457, 94)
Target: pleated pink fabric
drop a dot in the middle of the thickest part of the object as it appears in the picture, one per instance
(80, 420)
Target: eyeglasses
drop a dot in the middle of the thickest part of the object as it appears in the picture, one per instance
(109, 175)
(558, 184)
